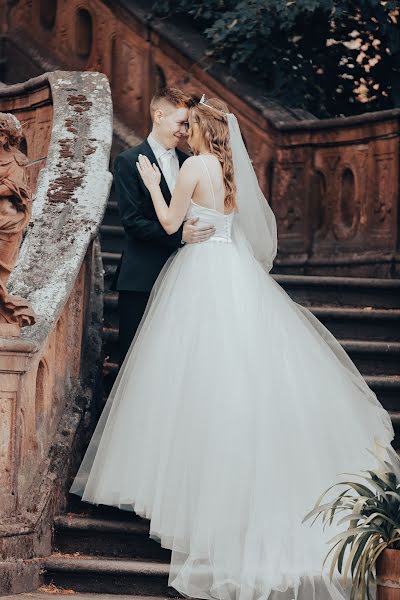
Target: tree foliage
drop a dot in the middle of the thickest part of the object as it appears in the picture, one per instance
(331, 57)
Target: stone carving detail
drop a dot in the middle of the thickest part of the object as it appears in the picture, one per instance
(317, 208)
(347, 209)
(288, 204)
(131, 68)
(84, 34)
(102, 42)
(326, 163)
(350, 218)
(132, 65)
(22, 12)
(382, 206)
(48, 13)
(343, 191)
(7, 435)
(15, 212)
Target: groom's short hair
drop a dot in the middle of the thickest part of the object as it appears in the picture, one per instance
(169, 95)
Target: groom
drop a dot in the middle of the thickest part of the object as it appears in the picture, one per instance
(147, 246)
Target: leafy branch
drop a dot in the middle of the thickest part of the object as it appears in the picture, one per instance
(331, 57)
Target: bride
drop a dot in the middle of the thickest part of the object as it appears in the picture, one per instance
(234, 408)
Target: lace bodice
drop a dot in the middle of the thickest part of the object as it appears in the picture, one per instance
(210, 216)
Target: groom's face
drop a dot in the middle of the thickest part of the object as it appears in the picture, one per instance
(171, 125)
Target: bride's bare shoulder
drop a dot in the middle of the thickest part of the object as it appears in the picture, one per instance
(192, 160)
(192, 163)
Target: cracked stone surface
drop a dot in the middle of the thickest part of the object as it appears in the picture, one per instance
(70, 198)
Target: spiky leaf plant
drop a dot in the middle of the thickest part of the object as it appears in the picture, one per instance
(371, 509)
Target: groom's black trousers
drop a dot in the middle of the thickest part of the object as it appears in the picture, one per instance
(131, 307)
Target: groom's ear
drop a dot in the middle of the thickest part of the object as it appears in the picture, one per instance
(158, 114)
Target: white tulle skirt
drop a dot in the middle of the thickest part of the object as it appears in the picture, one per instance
(234, 409)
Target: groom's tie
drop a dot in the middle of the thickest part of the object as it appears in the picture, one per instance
(170, 168)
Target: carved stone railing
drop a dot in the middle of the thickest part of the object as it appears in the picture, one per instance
(49, 373)
(335, 191)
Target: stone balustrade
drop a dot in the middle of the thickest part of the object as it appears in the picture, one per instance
(49, 372)
(334, 187)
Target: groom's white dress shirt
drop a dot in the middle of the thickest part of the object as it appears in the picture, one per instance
(168, 161)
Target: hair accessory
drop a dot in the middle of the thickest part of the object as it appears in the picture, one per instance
(202, 101)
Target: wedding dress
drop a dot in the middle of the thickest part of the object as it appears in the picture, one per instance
(234, 409)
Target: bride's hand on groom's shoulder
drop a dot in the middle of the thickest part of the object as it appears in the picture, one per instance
(150, 173)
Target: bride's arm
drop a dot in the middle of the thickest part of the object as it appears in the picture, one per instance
(171, 217)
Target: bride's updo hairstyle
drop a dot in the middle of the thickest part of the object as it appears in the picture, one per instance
(214, 131)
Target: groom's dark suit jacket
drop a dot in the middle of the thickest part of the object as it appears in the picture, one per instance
(147, 246)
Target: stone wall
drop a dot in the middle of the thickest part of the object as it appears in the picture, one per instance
(49, 373)
(333, 184)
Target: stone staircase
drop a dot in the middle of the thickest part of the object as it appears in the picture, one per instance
(103, 550)
(106, 551)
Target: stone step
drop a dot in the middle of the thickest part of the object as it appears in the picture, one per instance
(373, 357)
(111, 309)
(372, 324)
(99, 511)
(112, 231)
(110, 261)
(110, 258)
(110, 370)
(107, 537)
(112, 237)
(370, 357)
(312, 290)
(110, 344)
(92, 574)
(395, 418)
(387, 389)
(111, 216)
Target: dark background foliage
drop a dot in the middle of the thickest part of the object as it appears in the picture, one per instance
(331, 57)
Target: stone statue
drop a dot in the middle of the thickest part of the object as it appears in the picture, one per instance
(15, 212)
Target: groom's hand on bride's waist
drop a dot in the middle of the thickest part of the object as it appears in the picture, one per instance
(193, 234)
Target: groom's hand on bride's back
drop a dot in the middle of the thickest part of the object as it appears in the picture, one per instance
(192, 234)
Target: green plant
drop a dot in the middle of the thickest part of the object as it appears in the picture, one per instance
(372, 510)
(330, 57)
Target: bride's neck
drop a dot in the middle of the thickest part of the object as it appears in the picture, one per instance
(203, 150)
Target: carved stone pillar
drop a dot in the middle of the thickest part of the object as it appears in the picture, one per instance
(14, 361)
